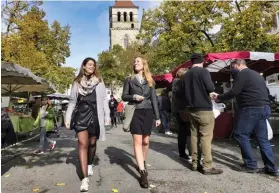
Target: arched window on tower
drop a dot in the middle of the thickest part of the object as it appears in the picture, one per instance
(132, 26)
(118, 16)
(131, 16)
(125, 41)
(125, 16)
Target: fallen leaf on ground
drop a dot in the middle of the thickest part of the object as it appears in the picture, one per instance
(60, 184)
(36, 189)
(152, 186)
(33, 161)
(148, 165)
(7, 175)
(114, 190)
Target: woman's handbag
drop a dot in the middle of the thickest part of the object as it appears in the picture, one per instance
(129, 113)
(80, 117)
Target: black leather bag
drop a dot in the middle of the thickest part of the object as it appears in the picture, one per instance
(80, 117)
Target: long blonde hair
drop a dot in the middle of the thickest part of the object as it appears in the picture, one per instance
(146, 72)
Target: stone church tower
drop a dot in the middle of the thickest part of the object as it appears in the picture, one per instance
(124, 23)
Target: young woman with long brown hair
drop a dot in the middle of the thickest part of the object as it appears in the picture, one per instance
(139, 90)
(87, 114)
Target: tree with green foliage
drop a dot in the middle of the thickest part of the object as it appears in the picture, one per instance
(246, 26)
(174, 30)
(29, 41)
(116, 64)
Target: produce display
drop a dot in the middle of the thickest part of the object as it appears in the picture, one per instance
(19, 114)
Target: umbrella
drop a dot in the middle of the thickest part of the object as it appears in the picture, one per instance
(15, 78)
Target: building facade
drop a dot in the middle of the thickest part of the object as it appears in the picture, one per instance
(124, 23)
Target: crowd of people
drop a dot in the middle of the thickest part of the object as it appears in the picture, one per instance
(116, 108)
(192, 94)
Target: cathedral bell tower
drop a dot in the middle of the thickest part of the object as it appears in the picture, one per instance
(124, 23)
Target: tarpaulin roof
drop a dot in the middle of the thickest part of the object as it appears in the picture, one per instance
(218, 64)
(15, 78)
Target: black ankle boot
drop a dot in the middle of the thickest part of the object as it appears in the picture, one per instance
(137, 167)
(143, 179)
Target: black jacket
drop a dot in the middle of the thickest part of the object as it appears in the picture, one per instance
(178, 97)
(133, 87)
(197, 86)
(249, 89)
(113, 104)
(164, 103)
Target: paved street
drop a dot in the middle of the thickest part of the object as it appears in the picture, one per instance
(115, 168)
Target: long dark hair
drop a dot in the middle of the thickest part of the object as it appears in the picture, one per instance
(81, 70)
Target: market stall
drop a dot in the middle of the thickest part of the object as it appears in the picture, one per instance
(16, 79)
(219, 66)
(21, 123)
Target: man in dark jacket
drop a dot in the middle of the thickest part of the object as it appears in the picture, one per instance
(113, 110)
(252, 96)
(198, 85)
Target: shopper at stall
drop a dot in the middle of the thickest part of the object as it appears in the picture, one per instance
(8, 135)
(180, 112)
(252, 97)
(45, 121)
(87, 114)
(197, 86)
(139, 90)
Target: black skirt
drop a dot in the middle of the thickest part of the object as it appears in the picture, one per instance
(142, 122)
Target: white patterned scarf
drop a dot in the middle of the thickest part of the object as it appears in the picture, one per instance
(139, 78)
(87, 86)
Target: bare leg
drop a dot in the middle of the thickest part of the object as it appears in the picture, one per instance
(138, 150)
(145, 145)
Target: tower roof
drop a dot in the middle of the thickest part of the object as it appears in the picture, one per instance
(124, 4)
